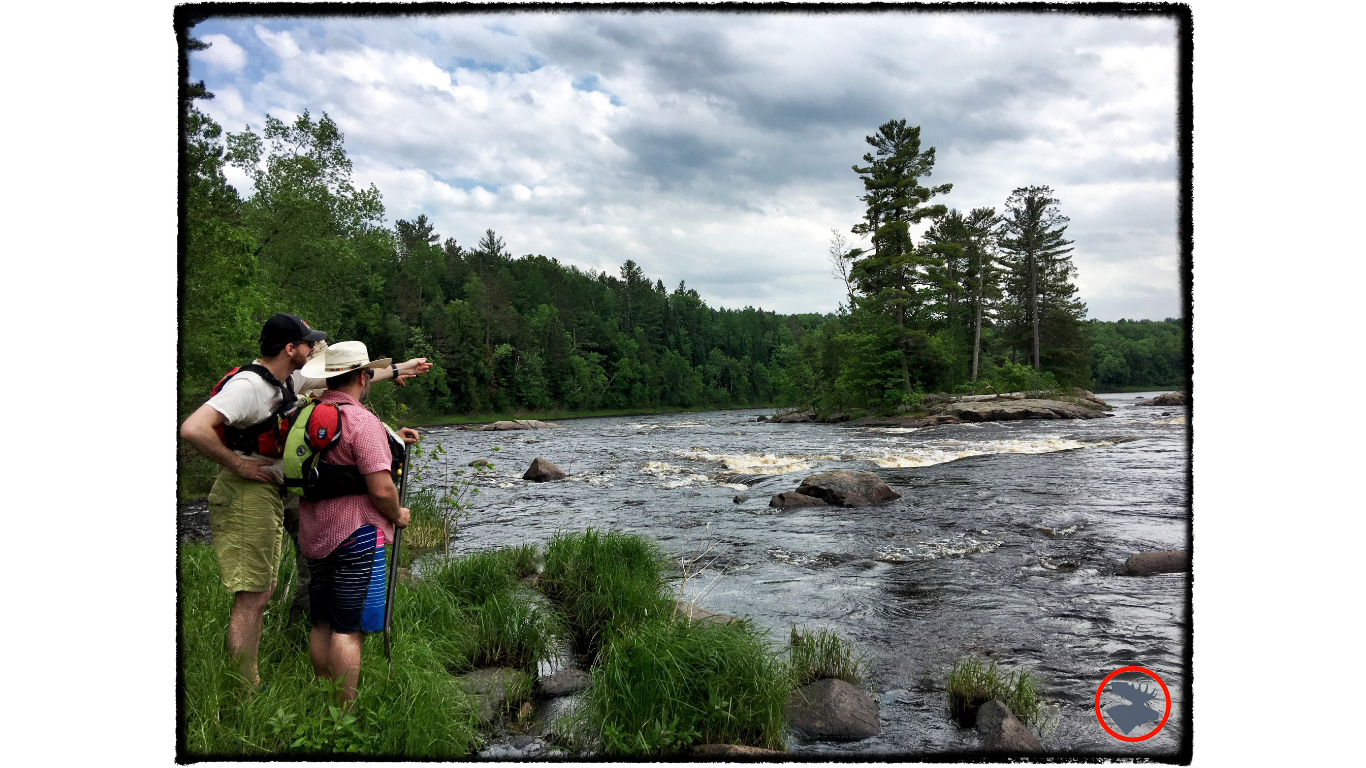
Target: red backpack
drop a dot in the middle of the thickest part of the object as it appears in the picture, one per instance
(266, 437)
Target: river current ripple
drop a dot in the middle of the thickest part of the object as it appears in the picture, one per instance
(1005, 544)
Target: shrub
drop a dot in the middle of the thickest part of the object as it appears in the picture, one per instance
(813, 657)
(671, 683)
(971, 684)
(604, 583)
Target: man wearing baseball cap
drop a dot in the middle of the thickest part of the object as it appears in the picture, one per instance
(239, 428)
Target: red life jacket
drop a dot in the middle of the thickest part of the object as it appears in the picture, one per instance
(266, 437)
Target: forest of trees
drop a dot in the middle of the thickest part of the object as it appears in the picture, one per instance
(984, 301)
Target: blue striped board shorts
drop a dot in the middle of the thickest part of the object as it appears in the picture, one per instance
(346, 588)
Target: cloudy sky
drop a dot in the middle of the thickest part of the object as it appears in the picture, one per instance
(716, 148)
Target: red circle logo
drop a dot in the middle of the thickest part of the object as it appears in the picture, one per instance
(1165, 694)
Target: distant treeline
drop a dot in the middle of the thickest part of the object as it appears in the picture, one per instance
(1127, 354)
(508, 334)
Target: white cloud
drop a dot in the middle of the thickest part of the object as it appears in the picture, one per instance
(223, 54)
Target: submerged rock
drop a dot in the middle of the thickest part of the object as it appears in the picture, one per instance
(1151, 563)
(788, 499)
(542, 471)
(833, 710)
(494, 689)
(480, 463)
(503, 426)
(847, 488)
(1002, 731)
(563, 683)
(731, 750)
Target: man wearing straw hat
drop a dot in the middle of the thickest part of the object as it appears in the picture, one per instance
(246, 511)
(343, 537)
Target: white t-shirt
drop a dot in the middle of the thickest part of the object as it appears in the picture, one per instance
(248, 399)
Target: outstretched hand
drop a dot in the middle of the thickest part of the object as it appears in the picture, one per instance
(411, 368)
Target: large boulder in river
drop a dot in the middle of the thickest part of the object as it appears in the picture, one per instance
(847, 488)
(542, 471)
(832, 710)
(1170, 398)
(1005, 409)
(503, 426)
(800, 417)
(1152, 563)
(788, 499)
(1003, 732)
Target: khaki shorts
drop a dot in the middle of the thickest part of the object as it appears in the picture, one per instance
(246, 519)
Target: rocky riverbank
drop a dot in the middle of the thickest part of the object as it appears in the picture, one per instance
(942, 409)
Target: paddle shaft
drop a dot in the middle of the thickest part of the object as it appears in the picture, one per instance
(393, 562)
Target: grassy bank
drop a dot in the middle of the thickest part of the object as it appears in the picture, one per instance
(660, 683)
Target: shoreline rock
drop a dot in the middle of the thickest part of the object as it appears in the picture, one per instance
(1003, 732)
(833, 710)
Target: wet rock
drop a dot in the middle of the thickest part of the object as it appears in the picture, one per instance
(1151, 563)
(762, 418)
(1003, 732)
(494, 689)
(802, 417)
(847, 488)
(836, 418)
(788, 499)
(504, 426)
(480, 464)
(833, 710)
(1169, 398)
(542, 471)
(563, 683)
(731, 750)
(740, 498)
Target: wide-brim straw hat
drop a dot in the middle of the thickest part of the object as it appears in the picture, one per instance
(339, 358)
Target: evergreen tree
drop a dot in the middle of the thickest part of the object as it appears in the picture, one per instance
(1040, 283)
(968, 247)
(894, 280)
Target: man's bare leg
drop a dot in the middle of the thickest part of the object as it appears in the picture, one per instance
(320, 649)
(344, 658)
(244, 631)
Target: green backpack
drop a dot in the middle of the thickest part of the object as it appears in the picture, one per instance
(316, 430)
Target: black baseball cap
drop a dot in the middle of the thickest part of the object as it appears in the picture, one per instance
(288, 329)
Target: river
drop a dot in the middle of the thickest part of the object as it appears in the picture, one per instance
(1005, 544)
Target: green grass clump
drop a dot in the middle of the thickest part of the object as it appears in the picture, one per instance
(297, 714)
(505, 627)
(605, 584)
(511, 631)
(821, 655)
(475, 578)
(972, 684)
(671, 683)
